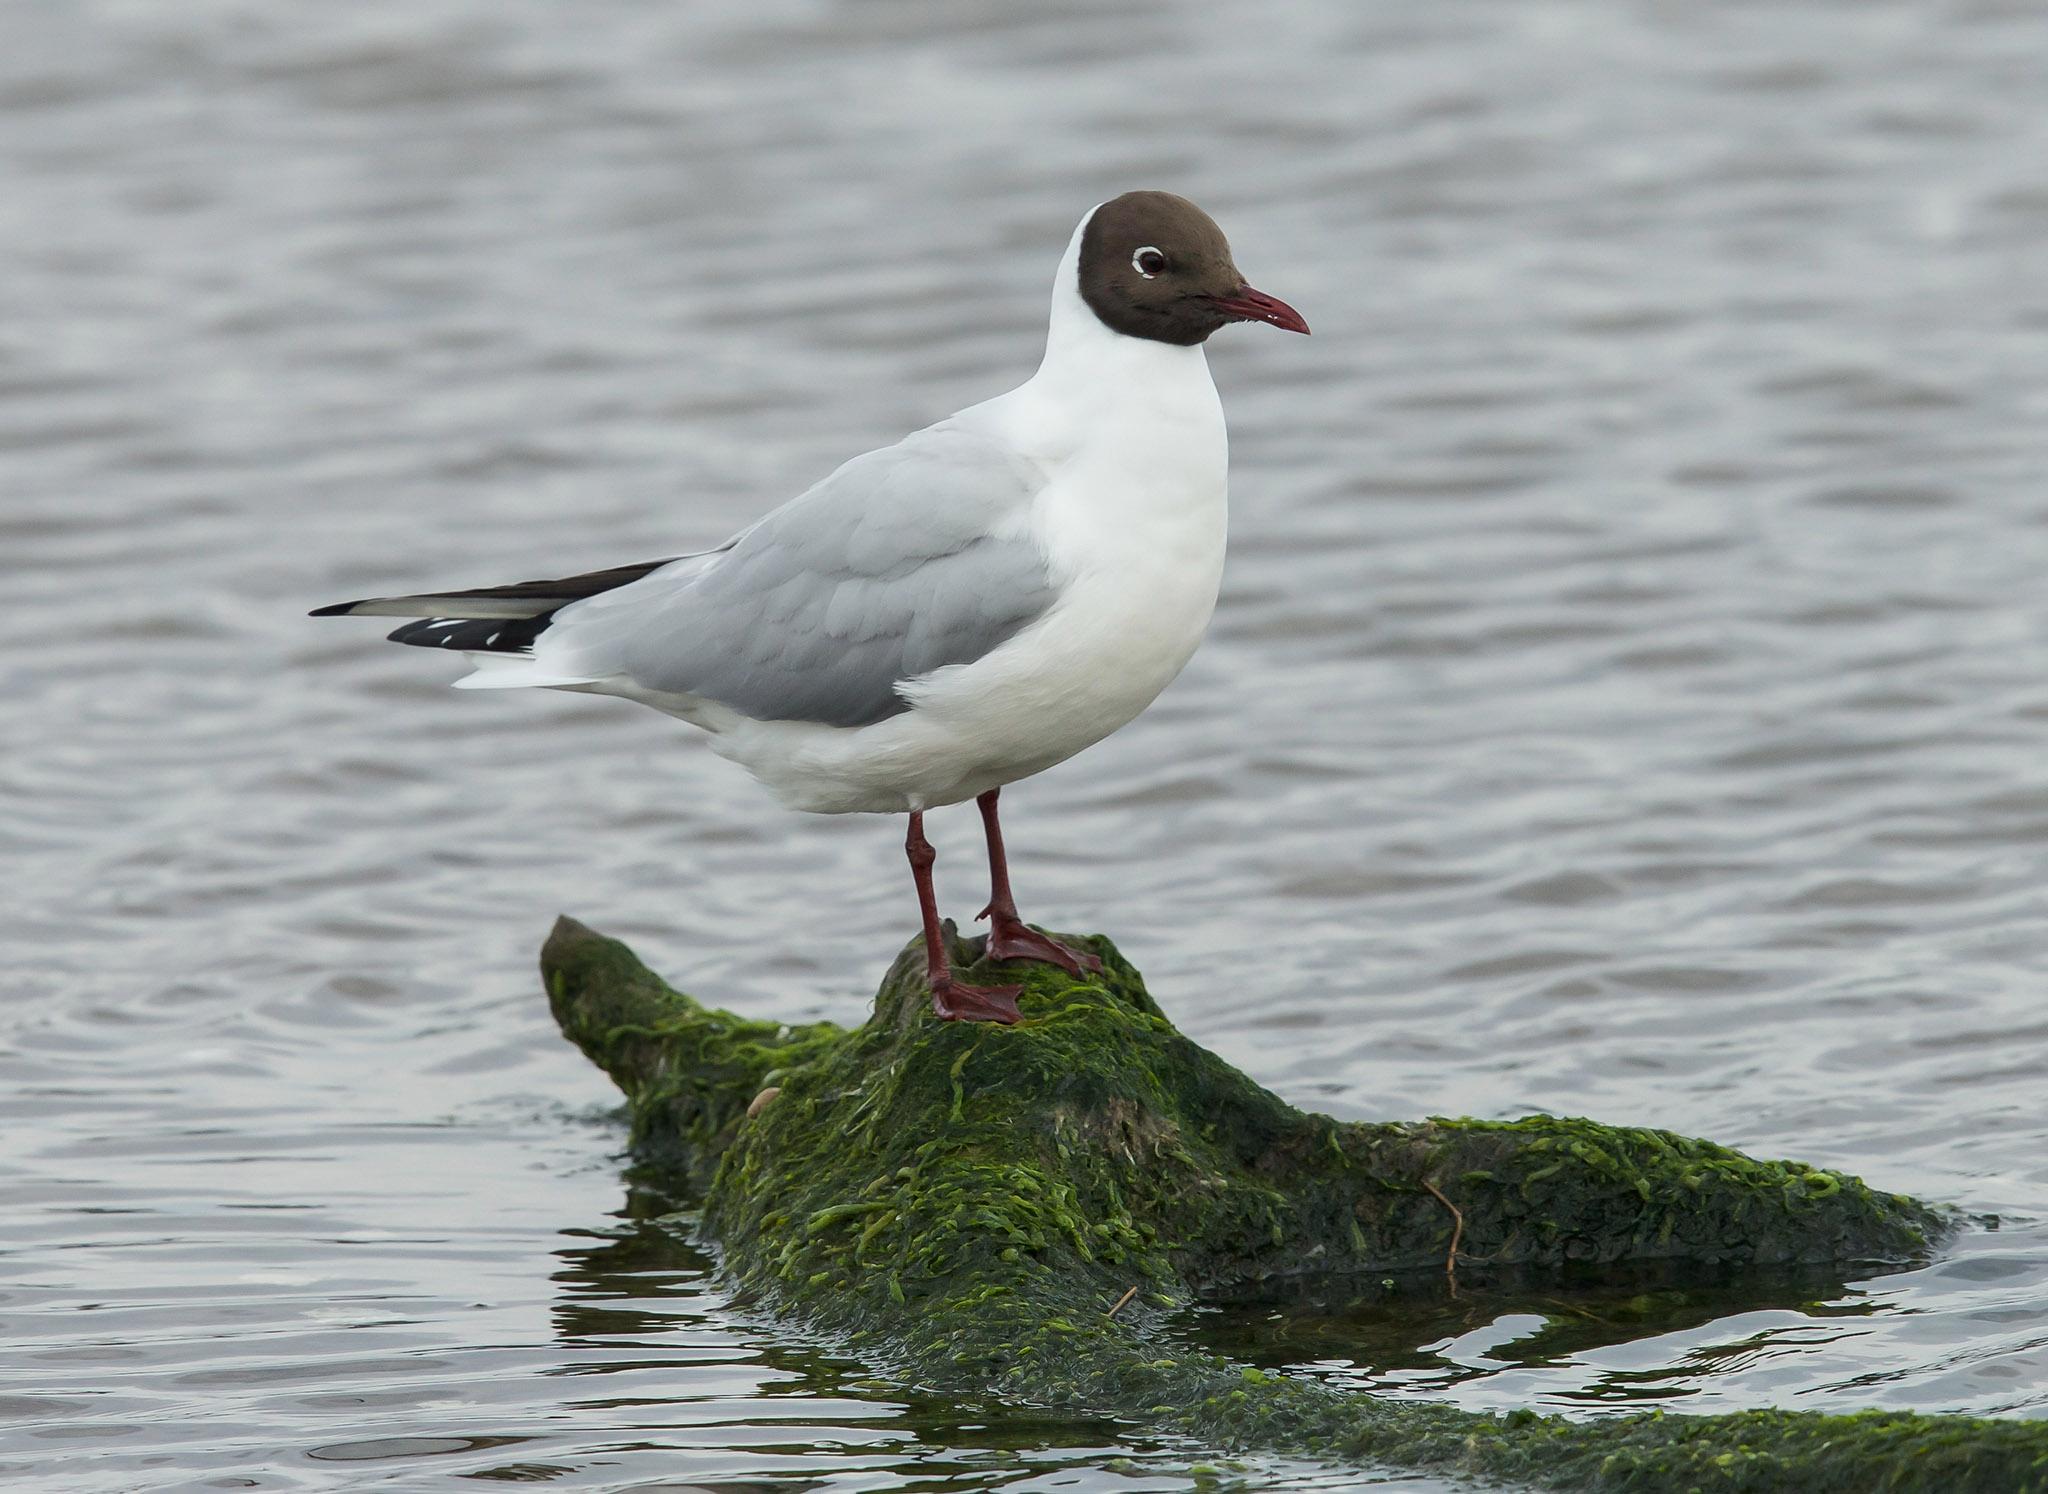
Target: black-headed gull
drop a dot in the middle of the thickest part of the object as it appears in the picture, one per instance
(949, 614)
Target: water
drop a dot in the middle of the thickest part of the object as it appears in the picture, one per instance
(1627, 696)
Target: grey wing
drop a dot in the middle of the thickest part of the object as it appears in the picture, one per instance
(901, 562)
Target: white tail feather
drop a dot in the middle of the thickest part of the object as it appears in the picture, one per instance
(514, 672)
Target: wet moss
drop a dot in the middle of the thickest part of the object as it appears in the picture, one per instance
(689, 1071)
(1019, 1211)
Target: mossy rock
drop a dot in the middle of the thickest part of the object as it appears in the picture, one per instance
(1018, 1211)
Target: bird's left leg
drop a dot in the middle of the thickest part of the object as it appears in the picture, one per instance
(1009, 937)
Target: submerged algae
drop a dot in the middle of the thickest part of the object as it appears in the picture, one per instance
(966, 1205)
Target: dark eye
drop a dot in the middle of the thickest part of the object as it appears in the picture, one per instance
(1148, 262)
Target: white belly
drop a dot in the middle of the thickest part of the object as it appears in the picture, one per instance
(1063, 684)
(1138, 601)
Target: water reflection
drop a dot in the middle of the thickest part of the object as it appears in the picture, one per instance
(1421, 1335)
(639, 1303)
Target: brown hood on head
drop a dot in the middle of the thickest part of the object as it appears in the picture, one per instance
(1154, 265)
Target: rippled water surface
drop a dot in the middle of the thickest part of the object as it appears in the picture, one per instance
(1627, 698)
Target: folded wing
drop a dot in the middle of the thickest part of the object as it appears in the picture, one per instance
(903, 561)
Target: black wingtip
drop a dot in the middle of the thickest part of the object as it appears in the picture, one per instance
(339, 609)
(482, 635)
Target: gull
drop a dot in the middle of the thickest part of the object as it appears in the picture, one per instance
(950, 614)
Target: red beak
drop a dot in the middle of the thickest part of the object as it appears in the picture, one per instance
(1248, 305)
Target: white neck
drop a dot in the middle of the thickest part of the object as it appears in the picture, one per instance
(1095, 383)
(1081, 350)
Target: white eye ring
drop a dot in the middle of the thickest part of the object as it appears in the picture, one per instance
(1138, 261)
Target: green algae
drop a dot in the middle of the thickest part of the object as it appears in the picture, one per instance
(965, 1206)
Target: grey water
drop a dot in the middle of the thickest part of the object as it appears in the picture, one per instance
(1629, 695)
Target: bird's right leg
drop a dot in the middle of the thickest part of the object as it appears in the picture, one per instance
(951, 999)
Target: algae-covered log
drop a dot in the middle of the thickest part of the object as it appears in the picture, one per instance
(966, 1205)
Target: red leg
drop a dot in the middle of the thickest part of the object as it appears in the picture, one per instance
(1009, 937)
(950, 999)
